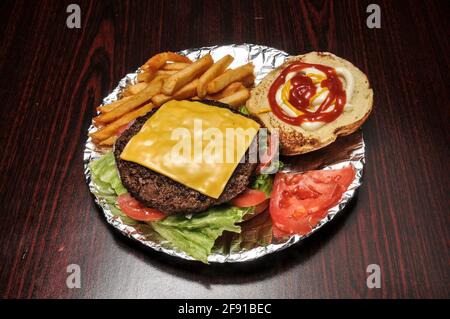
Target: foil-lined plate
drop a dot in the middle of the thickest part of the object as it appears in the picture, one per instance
(255, 239)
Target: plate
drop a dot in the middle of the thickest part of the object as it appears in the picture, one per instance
(255, 240)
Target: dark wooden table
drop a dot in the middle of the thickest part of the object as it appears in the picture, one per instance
(52, 77)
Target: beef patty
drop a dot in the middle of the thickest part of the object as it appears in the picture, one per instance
(160, 192)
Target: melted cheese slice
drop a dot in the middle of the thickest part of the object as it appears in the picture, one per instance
(195, 144)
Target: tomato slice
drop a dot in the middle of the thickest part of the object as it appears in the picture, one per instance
(300, 200)
(250, 197)
(134, 209)
(267, 157)
(123, 128)
(344, 178)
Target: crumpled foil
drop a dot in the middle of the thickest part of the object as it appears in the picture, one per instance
(256, 238)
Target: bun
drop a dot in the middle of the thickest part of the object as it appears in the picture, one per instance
(296, 140)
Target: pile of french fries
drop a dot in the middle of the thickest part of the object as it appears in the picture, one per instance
(170, 76)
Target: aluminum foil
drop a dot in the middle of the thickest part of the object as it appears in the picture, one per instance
(256, 238)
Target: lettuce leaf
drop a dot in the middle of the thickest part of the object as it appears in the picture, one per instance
(107, 184)
(263, 182)
(105, 175)
(244, 110)
(196, 235)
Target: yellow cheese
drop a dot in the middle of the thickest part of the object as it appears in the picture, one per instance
(285, 98)
(316, 78)
(195, 144)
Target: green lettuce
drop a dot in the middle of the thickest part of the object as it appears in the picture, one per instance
(105, 176)
(107, 184)
(196, 235)
(244, 110)
(263, 182)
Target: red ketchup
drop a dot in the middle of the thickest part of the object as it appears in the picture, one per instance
(303, 89)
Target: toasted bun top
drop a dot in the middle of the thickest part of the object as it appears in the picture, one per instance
(294, 139)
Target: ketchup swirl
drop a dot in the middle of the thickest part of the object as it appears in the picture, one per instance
(303, 89)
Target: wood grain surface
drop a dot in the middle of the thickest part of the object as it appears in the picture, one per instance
(52, 77)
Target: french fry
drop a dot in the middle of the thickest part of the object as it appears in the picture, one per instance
(111, 106)
(228, 77)
(249, 80)
(145, 76)
(230, 89)
(181, 78)
(160, 99)
(158, 60)
(213, 72)
(109, 141)
(143, 96)
(110, 129)
(166, 72)
(176, 66)
(161, 76)
(237, 99)
(135, 88)
(186, 92)
(233, 87)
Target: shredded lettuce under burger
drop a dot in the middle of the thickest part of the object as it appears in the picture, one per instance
(195, 235)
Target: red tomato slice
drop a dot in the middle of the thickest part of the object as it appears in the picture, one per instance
(123, 128)
(344, 178)
(272, 149)
(134, 209)
(250, 197)
(300, 200)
